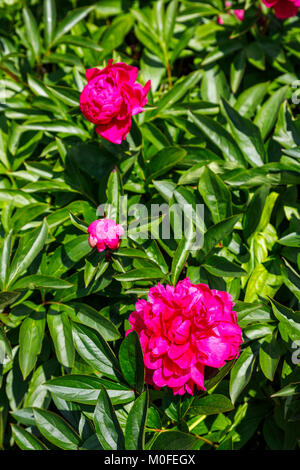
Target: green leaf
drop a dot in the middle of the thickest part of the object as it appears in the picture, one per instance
(220, 266)
(56, 429)
(5, 347)
(216, 195)
(64, 127)
(72, 18)
(255, 209)
(174, 440)
(177, 92)
(223, 50)
(220, 137)
(140, 274)
(291, 278)
(289, 319)
(269, 356)
(135, 425)
(115, 34)
(264, 281)
(16, 197)
(31, 339)
(237, 70)
(25, 440)
(241, 373)
(78, 223)
(164, 161)
(268, 113)
(292, 239)
(247, 136)
(288, 391)
(7, 298)
(214, 85)
(49, 21)
(88, 316)
(107, 426)
(170, 20)
(95, 351)
(250, 99)
(85, 389)
(256, 56)
(132, 361)
(61, 334)
(5, 258)
(32, 31)
(210, 405)
(41, 281)
(19, 265)
(216, 233)
(154, 254)
(182, 252)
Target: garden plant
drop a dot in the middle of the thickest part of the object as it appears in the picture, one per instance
(149, 225)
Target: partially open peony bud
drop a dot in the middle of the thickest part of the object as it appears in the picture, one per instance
(105, 233)
(182, 330)
(111, 97)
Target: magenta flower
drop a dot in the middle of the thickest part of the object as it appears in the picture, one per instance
(239, 14)
(105, 233)
(283, 8)
(111, 97)
(182, 329)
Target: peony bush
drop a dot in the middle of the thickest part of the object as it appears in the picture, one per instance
(150, 225)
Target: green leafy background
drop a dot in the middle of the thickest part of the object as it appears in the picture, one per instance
(221, 129)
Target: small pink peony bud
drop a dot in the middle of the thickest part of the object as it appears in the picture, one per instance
(105, 233)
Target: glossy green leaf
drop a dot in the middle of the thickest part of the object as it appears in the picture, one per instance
(25, 440)
(61, 334)
(85, 389)
(216, 195)
(31, 338)
(246, 135)
(210, 405)
(32, 31)
(220, 137)
(49, 20)
(174, 440)
(107, 426)
(56, 430)
(132, 361)
(135, 425)
(94, 349)
(241, 373)
(267, 115)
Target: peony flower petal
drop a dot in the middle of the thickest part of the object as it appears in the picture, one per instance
(115, 131)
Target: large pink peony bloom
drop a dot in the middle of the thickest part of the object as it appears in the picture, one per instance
(182, 329)
(111, 97)
(105, 233)
(283, 8)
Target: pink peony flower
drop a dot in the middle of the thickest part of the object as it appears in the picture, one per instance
(111, 97)
(104, 234)
(182, 329)
(239, 14)
(283, 8)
